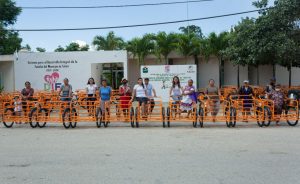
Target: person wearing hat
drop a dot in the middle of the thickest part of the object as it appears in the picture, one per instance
(278, 98)
(65, 90)
(125, 96)
(246, 93)
(271, 86)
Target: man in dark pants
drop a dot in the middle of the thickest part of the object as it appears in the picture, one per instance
(149, 89)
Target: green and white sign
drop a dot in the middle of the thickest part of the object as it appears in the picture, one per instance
(161, 77)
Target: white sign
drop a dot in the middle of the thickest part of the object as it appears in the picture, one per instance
(160, 76)
(46, 71)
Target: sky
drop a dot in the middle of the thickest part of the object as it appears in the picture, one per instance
(80, 18)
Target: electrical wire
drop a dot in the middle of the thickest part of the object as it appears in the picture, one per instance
(136, 25)
(113, 6)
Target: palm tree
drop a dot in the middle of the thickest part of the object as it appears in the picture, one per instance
(110, 42)
(190, 45)
(165, 44)
(215, 45)
(141, 47)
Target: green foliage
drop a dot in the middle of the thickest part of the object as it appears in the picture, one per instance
(39, 49)
(1, 89)
(215, 44)
(26, 47)
(269, 39)
(72, 47)
(186, 44)
(110, 42)
(193, 29)
(164, 44)
(59, 49)
(9, 40)
(141, 47)
(9, 12)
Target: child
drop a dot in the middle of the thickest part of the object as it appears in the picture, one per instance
(18, 107)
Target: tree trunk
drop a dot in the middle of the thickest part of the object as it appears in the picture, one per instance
(197, 64)
(290, 76)
(257, 75)
(221, 72)
(238, 76)
(111, 75)
(274, 70)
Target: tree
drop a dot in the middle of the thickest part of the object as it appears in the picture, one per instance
(26, 47)
(191, 43)
(9, 40)
(141, 47)
(241, 44)
(110, 42)
(269, 39)
(59, 49)
(76, 47)
(39, 49)
(214, 45)
(278, 26)
(72, 47)
(165, 44)
(192, 29)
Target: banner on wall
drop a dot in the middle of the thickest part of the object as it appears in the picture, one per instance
(161, 76)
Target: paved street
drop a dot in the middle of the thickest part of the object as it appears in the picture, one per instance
(151, 154)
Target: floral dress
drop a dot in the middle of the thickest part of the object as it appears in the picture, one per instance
(278, 98)
(187, 100)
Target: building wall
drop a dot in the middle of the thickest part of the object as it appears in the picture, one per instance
(79, 75)
(208, 70)
(96, 71)
(7, 75)
(230, 74)
(265, 74)
(282, 75)
(34, 67)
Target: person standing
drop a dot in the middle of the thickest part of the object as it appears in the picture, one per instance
(18, 108)
(149, 89)
(176, 89)
(105, 94)
(176, 95)
(278, 98)
(26, 95)
(188, 101)
(271, 86)
(91, 88)
(65, 91)
(246, 94)
(27, 92)
(139, 93)
(213, 94)
(125, 93)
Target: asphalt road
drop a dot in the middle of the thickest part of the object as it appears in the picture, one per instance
(215, 154)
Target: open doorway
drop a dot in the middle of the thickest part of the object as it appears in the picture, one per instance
(112, 72)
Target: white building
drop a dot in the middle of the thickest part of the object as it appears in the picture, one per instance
(47, 70)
